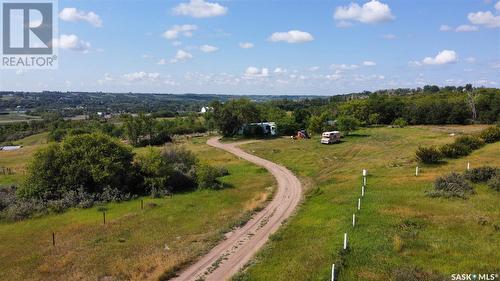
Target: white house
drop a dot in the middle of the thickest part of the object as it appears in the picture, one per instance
(206, 109)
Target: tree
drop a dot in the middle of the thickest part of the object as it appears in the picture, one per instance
(232, 115)
(91, 162)
(471, 100)
(155, 171)
(374, 119)
(347, 124)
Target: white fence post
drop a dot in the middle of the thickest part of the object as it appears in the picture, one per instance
(364, 172)
(345, 241)
(362, 191)
(416, 171)
(468, 166)
(364, 180)
(353, 220)
(359, 203)
(333, 272)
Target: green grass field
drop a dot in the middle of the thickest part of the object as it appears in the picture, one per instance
(398, 226)
(134, 244)
(13, 117)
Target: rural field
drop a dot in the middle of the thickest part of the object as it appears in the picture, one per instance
(134, 244)
(398, 226)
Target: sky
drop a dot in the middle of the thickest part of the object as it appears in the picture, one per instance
(278, 47)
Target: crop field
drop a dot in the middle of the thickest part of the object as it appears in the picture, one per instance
(398, 227)
(134, 243)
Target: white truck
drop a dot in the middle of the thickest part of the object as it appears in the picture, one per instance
(330, 137)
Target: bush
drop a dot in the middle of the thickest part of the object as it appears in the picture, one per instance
(183, 163)
(481, 174)
(400, 122)
(7, 196)
(89, 161)
(494, 182)
(452, 185)
(490, 134)
(455, 150)
(207, 176)
(428, 155)
(470, 141)
(23, 209)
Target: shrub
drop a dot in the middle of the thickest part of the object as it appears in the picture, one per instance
(207, 176)
(23, 209)
(490, 134)
(455, 150)
(347, 124)
(471, 142)
(7, 196)
(428, 155)
(452, 185)
(494, 182)
(400, 122)
(481, 174)
(88, 161)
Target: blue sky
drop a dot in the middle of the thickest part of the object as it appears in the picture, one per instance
(292, 47)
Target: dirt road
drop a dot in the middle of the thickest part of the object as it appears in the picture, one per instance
(240, 245)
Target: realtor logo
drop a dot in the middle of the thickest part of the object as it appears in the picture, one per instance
(28, 33)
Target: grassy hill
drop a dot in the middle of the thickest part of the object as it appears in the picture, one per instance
(134, 244)
(399, 228)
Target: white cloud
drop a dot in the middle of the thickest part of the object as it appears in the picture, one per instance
(71, 42)
(176, 30)
(389, 36)
(369, 63)
(484, 18)
(73, 15)
(344, 66)
(181, 55)
(200, 9)
(146, 56)
(313, 68)
(292, 36)
(371, 12)
(208, 49)
(460, 28)
(466, 28)
(279, 70)
(246, 45)
(445, 28)
(333, 77)
(141, 76)
(162, 62)
(497, 6)
(176, 43)
(107, 78)
(443, 57)
(255, 72)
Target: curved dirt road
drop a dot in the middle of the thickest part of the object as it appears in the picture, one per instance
(240, 245)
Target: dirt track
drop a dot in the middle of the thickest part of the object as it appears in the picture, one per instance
(240, 245)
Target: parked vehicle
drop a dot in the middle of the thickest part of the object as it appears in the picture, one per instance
(330, 137)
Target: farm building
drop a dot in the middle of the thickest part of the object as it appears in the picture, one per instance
(10, 147)
(256, 129)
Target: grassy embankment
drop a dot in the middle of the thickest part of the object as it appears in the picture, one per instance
(398, 226)
(134, 244)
